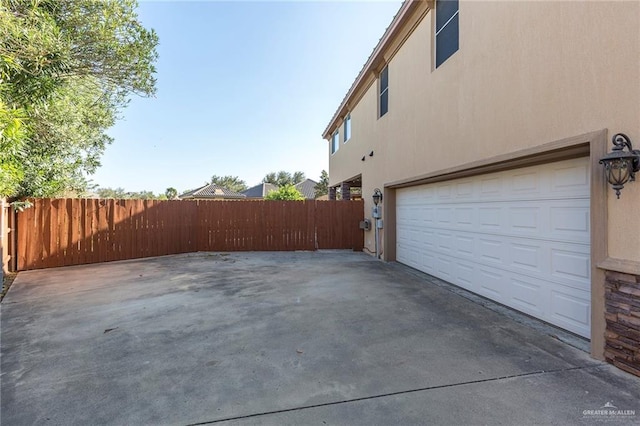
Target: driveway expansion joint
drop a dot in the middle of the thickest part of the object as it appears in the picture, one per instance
(404, 392)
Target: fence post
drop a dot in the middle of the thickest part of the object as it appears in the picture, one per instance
(7, 241)
(3, 239)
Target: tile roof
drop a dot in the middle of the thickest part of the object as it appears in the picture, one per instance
(260, 190)
(307, 188)
(212, 191)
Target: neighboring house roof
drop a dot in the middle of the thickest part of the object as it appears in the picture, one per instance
(260, 191)
(212, 192)
(307, 188)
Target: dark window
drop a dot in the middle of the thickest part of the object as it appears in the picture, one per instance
(384, 92)
(347, 128)
(447, 29)
(335, 142)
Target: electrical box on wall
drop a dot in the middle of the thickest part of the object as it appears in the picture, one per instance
(365, 225)
(376, 212)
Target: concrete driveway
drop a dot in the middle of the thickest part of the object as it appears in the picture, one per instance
(284, 338)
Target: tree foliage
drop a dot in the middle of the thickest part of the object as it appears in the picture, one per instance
(121, 194)
(233, 183)
(322, 187)
(66, 69)
(171, 193)
(285, 192)
(283, 178)
(12, 136)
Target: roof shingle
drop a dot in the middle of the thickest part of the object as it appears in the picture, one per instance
(308, 188)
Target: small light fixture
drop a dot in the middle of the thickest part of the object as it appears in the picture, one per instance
(371, 154)
(362, 159)
(620, 166)
(377, 196)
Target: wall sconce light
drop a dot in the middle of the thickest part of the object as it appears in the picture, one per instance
(362, 159)
(371, 154)
(377, 196)
(620, 166)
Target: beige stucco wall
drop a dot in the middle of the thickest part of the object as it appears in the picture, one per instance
(526, 74)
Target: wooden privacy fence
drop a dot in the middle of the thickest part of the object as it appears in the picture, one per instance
(62, 232)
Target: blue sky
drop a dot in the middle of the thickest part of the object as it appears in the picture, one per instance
(244, 88)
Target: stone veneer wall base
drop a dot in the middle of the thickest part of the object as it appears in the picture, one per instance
(622, 312)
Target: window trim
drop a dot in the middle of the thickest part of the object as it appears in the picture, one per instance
(436, 32)
(382, 92)
(347, 134)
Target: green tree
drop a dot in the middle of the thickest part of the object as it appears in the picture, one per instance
(271, 178)
(12, 137)
(233, 183)
(322, 187)
(117, 193)
(283, 178)
(298, 177)
(171, 193)
(285, 192)
(120, 193)
(66, 69)
(144, 195)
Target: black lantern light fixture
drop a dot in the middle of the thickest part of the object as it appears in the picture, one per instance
(377, 196)
(620, 166)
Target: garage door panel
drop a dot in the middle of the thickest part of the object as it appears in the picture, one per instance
(465, 245)
(409, 255)
(570, 312)
(465, 274)
(570, 177)
(527, 295)
(524, 220)
(428, 263)
(492, 283)
(428, 216)
(526, 183)
(429, 239)
(491, 250)
(464, 217)
(445, 242)
(489, 218)
(520, 237)
(444, 267)
(570, 222)
(465, 189)
(444, 215)
(571, 265)
(490, 187)
(526, 256)
(444, 191)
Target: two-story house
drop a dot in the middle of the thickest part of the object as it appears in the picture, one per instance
(483, 124)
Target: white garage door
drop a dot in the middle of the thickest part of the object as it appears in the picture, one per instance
(519, 237)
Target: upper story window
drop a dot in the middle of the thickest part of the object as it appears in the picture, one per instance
(383, 83)
(335, 141)
(347, 128)
(447, 29)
